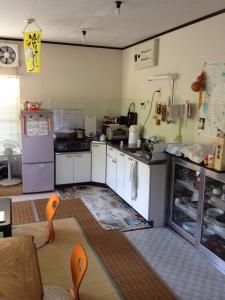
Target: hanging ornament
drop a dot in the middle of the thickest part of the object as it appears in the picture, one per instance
(199, 86)
(32, 47)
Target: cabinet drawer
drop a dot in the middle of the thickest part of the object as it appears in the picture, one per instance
(111, 152)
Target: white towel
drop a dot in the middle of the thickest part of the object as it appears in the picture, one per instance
(134, 179)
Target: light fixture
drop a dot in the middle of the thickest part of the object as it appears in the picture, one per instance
(84, 33)
(118, 5)
(172, 76)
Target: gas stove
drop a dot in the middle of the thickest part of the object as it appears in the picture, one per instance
(71, 145)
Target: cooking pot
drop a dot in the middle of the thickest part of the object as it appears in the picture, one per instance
(79, 133)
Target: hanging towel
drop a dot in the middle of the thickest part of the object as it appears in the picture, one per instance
(134, 179)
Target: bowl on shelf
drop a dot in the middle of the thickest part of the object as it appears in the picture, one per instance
(190, 227)
(220, 220)
(212, 213)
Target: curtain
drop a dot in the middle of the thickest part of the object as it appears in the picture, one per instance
(9, 109)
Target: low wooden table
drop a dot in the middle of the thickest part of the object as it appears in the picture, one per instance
(19, 269)
(6, 206)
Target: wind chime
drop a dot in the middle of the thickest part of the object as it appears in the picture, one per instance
(32, 47)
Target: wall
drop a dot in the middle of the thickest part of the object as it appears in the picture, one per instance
(183, 51)
(73, 77)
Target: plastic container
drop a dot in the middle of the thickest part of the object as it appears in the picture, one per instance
(134, 132)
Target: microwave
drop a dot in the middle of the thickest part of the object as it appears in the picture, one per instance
(116, 132)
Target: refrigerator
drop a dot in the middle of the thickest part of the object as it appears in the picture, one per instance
(37, 151)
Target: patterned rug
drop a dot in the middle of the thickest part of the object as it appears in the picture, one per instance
(107, 208)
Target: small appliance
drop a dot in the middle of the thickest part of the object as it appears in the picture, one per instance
(134, 132)
(116, 132)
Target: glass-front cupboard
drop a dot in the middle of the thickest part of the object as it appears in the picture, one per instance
(197, 207)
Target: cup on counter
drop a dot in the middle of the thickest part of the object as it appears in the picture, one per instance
(139, 143)
(121, 144)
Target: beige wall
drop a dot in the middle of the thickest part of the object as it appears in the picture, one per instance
(74, 77)
(183, 51)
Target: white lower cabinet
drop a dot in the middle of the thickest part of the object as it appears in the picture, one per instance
(82, 167)
(64, 168)
(151, 184)
(98, 152)
(120, 173)
(73, 167)
(142, 202)
(111, 172)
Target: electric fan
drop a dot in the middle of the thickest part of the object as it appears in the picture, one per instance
(9, 150)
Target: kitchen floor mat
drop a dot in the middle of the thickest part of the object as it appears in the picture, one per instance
(106, 207)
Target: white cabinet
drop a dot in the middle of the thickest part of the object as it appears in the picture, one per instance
(64, 168)
(142, 202)
(98, 162)
(111, 173)
(73, 167)
(82, 167)
(120, 173)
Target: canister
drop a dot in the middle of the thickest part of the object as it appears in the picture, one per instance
(219, 163)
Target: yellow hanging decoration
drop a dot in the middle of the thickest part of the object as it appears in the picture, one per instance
(32, 47)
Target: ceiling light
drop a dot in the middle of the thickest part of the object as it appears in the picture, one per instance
(118, 5)
(84, 33)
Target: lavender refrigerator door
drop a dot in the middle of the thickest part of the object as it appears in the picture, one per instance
(37, 151)
(40, 147)
(38, 177)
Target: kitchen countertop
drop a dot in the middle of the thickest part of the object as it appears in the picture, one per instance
(126, 148)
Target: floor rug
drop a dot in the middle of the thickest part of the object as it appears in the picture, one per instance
(54, 261)
(106, 207)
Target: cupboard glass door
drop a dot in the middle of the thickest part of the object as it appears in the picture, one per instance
(213, 224)
(185, 199)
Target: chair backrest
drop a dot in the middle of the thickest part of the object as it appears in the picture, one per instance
(50, 211)
(78, 263)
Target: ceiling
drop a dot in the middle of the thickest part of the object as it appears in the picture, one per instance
(63, 20)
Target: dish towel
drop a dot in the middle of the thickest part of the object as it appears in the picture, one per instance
(133, 180)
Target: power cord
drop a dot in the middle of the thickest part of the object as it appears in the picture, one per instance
(150, 109)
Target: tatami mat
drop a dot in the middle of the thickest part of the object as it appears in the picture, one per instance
(128, 269)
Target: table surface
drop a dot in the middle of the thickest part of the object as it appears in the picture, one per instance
(5, 205)
(19, 269)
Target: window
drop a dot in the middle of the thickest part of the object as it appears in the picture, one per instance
(9, 109)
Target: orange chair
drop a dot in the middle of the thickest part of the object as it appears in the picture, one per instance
(50, 211)
(42, 234)
(78, 264)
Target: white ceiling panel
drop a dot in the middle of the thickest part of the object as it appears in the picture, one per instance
(64, 20)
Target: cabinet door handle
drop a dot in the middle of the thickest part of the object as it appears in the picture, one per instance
(93, 145)
(69, 155)
(110, 148)
(121, 154)
(114, 161)
(78, 155)
(130, 158)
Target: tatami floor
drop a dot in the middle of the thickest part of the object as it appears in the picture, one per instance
(189, 275)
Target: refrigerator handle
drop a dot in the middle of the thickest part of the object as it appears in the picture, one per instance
(24, 125)
(49, 125)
